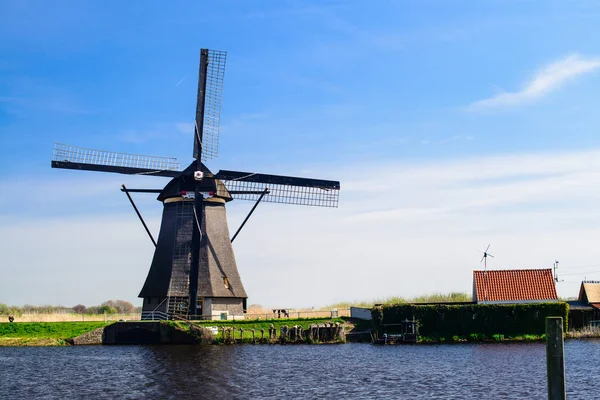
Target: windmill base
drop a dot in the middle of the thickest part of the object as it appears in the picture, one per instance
(209, 308)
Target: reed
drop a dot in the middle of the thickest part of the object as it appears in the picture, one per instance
(587, 332)
(452, 297)
(70, 317)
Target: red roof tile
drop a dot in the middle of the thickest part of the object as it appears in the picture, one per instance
(595, 305)
(514, 285)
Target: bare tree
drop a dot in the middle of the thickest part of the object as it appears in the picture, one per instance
(79, 308)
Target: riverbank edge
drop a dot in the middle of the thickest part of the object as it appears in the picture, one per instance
(39, 340)
(43, 334)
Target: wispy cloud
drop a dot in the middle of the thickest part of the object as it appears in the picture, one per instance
(159, 131)
(16, 105)
(180, 81)
(22, 94)
(424, 221)
(185, 127)
(456, 138)
(546, 80)
(533, 208)
(446, 140)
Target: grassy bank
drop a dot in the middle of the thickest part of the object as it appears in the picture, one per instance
(59, 333)
(265, 324)
(479, 338)
(43, 333)
(258, 325)
(587, 333)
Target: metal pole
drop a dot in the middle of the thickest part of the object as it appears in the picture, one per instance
(250, 213)
(555, 359)
(485, 277)
(139, 215)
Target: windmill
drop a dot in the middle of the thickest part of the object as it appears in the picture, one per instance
(193, 272)
(484, 260)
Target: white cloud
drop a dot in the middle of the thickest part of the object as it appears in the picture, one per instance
(401, 229)
(406, 229)
(77, 259)
(549, 78)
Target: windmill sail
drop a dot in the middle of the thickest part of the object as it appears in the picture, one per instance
(73, 157)
(281, 189)
(210, 99)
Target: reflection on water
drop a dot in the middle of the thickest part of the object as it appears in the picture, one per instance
(465, 371)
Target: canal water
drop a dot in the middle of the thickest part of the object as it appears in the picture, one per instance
(462, 371)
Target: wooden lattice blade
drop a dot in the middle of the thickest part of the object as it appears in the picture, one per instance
(281, 189)
(73, 157)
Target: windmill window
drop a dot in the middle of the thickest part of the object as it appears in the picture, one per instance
(226, 282)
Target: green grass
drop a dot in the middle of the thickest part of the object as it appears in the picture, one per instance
(43, 333)
(257, 325)
(265, 324)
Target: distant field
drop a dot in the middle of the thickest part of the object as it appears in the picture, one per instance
(253, 313)
(70, 317)
(296, 313)
(453, 297)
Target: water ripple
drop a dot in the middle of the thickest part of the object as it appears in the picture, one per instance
(465, 371)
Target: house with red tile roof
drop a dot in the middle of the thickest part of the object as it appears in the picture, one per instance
(513, 286)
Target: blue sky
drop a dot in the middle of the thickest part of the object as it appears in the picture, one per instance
(451, 125)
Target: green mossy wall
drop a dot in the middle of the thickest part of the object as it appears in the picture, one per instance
(466, 319)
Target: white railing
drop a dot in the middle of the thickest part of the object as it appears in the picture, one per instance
(154, 316)
(293, 314)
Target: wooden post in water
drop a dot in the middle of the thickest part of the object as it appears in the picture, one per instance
(555, 358)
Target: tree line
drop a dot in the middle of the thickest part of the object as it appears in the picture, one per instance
(107, 307)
